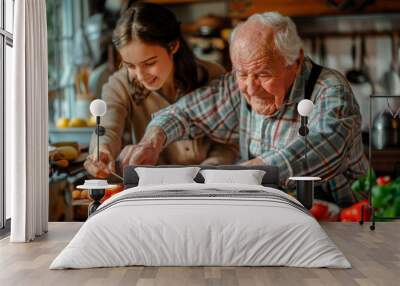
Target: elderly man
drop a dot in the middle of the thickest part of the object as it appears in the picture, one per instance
(255, 106)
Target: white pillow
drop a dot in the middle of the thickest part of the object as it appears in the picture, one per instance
(163, 176)
(248, 177)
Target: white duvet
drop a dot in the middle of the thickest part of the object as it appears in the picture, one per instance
(206, 230)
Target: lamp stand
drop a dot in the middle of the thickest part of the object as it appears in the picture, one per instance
(305, 185)
(100, 131)
(96, 195)
(305, 193)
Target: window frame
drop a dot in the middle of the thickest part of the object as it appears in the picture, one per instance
(67, 16)
(6, 39)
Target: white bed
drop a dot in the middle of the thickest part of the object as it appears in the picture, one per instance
(203, 225)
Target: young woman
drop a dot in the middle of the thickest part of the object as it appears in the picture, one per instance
(158, 69)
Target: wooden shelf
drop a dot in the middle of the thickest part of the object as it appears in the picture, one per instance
(384, 161)
(310, 7)
(172, 2)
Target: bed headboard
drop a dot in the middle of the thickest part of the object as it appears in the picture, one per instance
(270, 179)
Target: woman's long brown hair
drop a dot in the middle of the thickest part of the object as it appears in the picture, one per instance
(155, 24)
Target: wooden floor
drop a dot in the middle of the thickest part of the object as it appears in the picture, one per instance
(374, 255)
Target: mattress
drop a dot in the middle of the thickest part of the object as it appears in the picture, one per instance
(201, 225)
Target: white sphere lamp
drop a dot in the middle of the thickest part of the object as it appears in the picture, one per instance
(305, 107)
(98, 107)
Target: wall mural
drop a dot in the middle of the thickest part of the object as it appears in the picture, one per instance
(134, 86)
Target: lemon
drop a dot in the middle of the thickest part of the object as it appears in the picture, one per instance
(77, 122)
(91, 122)
(62, 122)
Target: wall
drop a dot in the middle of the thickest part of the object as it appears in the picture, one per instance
(378, 59)
(190, 13)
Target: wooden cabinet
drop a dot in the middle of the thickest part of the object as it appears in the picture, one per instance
(314, 7)
(385, 162)
(244, 8)
(175, 2)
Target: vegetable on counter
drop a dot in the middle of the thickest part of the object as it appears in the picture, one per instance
(325, 211)
(110, 192)
(386, 199)
(383, 180)
(362, 186)
(385, 195)
(353, 213)
(320, 211)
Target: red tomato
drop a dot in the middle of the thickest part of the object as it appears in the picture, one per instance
(118, 189)
(111, 192)
(106, 196)
(383, 180)
(320, 211)
(353, 213)
(108, 192)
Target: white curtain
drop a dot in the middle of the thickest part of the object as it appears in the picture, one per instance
(27, 124)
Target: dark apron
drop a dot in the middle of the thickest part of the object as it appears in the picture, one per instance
(319, 193)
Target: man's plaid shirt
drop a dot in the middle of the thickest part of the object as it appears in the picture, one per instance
(335, 149)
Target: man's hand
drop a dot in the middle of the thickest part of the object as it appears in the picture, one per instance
(140, 154)
(102, 167)
(146, 152)
(253, 162)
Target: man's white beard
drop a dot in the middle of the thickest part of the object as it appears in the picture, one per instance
(263, 107)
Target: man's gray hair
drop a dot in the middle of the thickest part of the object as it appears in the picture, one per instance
(286, 38)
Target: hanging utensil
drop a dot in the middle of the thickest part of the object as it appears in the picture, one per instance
(386, 125)
(353, 74)
(360, 75)
(360, 81)
(386, 131)
(391, 80)
(363, 65)
(314, 48)
(322, 51)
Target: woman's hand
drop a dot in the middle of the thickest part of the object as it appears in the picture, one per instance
(146, 152)
(102, 167)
